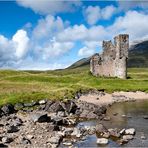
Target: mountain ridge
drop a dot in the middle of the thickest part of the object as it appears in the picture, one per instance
(138, 57)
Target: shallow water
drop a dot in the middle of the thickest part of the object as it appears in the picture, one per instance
(134, 112)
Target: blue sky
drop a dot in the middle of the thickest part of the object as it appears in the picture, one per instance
(46, 34)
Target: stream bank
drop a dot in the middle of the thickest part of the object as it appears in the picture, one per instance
(53, 123)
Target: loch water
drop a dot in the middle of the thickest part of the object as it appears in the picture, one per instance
(128, 115)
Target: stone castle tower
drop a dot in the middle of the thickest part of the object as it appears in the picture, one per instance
(113, 61)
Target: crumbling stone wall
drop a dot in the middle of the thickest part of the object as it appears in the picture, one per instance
(113, 61)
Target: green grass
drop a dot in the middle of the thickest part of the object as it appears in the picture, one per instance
(24, 86)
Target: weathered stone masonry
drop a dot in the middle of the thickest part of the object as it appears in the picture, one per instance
(113, 61)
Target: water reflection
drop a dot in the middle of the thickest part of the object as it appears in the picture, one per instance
(133, 117)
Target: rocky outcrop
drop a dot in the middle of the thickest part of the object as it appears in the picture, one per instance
(90, 111)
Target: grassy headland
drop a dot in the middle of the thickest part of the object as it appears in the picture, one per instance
(21, 86)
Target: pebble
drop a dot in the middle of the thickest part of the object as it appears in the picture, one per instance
(143, 137)
(41, 102)
(130, 131)
(102, 141)
(67, 143)
(128, 137)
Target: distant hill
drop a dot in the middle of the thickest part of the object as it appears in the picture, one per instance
(81, 63)
(138, 57)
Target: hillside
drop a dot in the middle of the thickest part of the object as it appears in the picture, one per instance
(81, 63)
(138, 55)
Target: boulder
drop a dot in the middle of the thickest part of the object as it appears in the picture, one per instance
(17, 122)
(6, 140)
(102, 141)
(100, 110)
(114, 132)
(127, 137)
(69, 121)
(1, 113)
(41, 102)
(143, 137)
(106, 118)
(54, 107)
(39, 117)
(25, 141)
(52, 127)
(145, 117)
(48, 104)
(30, 104)
(122, 132)
(100, 128)
(29, 137)
(8, 109)
(91, 130)
(67, 143)
(130, 131)
(12, 129)
(61, 114)
(88, 114)
(19, 106)
(55, 139)
(57, 120)
(68, 131)
(3, 145)
(115, 114)
(105, 135)
(76, 132)
(69, 106)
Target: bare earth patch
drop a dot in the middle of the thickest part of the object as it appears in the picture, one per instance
(110, 98)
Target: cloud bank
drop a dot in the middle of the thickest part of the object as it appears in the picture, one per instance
(53, 38)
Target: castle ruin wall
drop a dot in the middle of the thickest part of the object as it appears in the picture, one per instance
(113, 61)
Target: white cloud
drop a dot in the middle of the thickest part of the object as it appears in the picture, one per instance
(93, 14)
(86, 51)
(48, 27)
(89, 48)
(108, 12)
(11, 50)
(20, 41)
(49, 6)
(44, 43)
(134, 23)
(82, 33)
(127, 5)
(52, 38)
(52, 49)
(6, 50)
(73, 33)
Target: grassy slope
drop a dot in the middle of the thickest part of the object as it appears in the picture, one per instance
(20, 86)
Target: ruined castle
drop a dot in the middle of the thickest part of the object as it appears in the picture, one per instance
(113, 61)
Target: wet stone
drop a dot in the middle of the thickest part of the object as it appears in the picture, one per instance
(102, 141)
(145, 117)
(128, 137)
(130, 131)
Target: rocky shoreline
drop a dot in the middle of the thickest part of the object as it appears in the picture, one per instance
(47, 123)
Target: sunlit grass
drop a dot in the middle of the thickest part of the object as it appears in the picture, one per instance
(20, 86)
